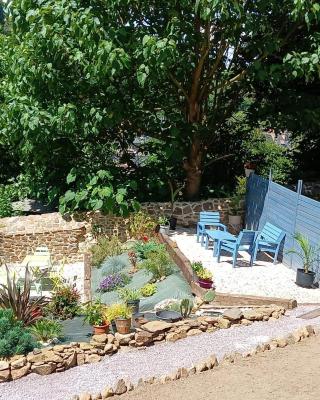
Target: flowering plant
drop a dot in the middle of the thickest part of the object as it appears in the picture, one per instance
(113, 281)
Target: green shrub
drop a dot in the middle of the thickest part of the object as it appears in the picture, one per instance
(46, 329)
(105, 247)
(148, 290)
(127, 294)
(143, 248)
(158, 263)
(64, 303)
(6, 209)
(14, 338)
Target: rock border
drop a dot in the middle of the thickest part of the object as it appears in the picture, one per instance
(62, 357)
(122, 386)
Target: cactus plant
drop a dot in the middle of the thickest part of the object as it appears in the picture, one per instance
(186, 308)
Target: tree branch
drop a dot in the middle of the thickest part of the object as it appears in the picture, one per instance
(179, 85)
(218, 159)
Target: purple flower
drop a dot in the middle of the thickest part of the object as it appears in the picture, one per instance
(112, 281)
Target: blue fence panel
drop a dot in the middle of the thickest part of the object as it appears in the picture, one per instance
(285, 208)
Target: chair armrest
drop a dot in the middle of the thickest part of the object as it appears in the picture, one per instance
(220, 225)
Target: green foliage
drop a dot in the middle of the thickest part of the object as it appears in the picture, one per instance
(143, 248)
(197, 266)
(185, 308)
(13, 297)
(97, 192)
(141, 225)
(205, 274)
(158, 263)
(239, 194)
(64, 302)
(5, 202)
(307, 253)
(14, 338)
(95, 313)
(118, 310)
(46, 329)
(127, 294)
(105, 247)
(209, 296)
(148, 289)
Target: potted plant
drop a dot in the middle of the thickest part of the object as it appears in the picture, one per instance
(249, 168)
(205, 278)
(308, 254)
(131, 297)
(95, 315)
(236, 201)
(173, 195)
(197, 266)
(121, 314)
(163, 225)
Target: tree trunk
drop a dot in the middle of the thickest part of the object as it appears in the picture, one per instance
(193, 168)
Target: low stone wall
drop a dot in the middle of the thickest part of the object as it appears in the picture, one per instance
(62, 357)
(187, 213)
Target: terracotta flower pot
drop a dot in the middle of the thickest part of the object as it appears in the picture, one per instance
(205, 283)
(101, 329)
(123, 325)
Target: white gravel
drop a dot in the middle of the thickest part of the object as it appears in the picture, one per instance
(153, 361)
(263, 279)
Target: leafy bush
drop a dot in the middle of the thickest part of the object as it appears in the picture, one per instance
(18, 300)
(6, 209)
(141, 225)
(14, 338)
(116, 264)
(105, 247)
(95, 313)
(158, 263)
(148, 290)
(113, 281)
(127, 294)
(143, 248)
(64, 303)
(46, 329)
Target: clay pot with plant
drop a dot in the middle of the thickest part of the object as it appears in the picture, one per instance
(308, 254)
(96, 315)
(236, 203)
(131, 297)
(121, 314)
(163, 224)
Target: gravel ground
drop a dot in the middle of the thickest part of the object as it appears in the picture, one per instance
(263, 279)
(153, 361)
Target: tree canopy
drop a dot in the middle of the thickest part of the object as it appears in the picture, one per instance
(130, 95)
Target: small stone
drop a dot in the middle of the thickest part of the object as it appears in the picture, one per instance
(201, 367)
(213, 360)
(192, 370)
(173, 336)
(111, 338)
(296, 336)
(253, 315)
(4, 375)
(20, 372)
(183, 372)
(309, 330)
(193, 332)
(265, 318)
(96, 396)
(282, 342)
(107, 392)
(229, 358)
(85, 396)
(80, 359)
(246, 322)
(143, 338)
(149, 381)
(4, 365)
(100, 338)
(108, 348)
(273, 345)
(19, 363)
(212, 320)
(120, 387)
(92, 358)
(44, 369)
(71, 361)
(232, 314)
(86, 346)
(223, 323)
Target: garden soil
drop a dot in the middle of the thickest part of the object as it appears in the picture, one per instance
(291, 373)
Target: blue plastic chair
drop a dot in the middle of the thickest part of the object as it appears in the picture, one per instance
(269, 240)
(244, 242)
(208, 219)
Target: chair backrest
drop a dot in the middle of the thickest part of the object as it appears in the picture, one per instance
(246, 237)
(209, 217)
(272, 233)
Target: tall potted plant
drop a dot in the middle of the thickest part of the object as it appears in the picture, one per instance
(236, 201)
(131, 297)
(95, 314)
(308, 255)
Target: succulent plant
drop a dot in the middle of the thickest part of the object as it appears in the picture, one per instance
(186, 308)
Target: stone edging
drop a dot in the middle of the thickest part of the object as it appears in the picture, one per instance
(209, 363)
(62, 357)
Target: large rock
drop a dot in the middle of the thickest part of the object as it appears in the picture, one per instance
(108, 348)
(143, 338)
(100, 338)
(4, 371)
(253, 315)
(92, 358)
(107, 392)
(124, 340)
(174, 336)
(193, 332)
(121, 387)
(46, 356)
(233, 314)
(20, 372)
(156, 327)
(223, 323)
(71, 361)
(4, 365)
(18, 363)
(43, 369)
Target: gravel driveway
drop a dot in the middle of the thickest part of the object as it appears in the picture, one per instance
(153, 361)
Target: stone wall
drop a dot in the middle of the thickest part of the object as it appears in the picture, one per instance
(68, 237)
(187, 213)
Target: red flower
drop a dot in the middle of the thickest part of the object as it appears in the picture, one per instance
(145, 238)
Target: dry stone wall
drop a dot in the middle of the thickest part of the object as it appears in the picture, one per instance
(68, 237)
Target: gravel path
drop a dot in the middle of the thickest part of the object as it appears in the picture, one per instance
(153, 361)
(263, 279)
